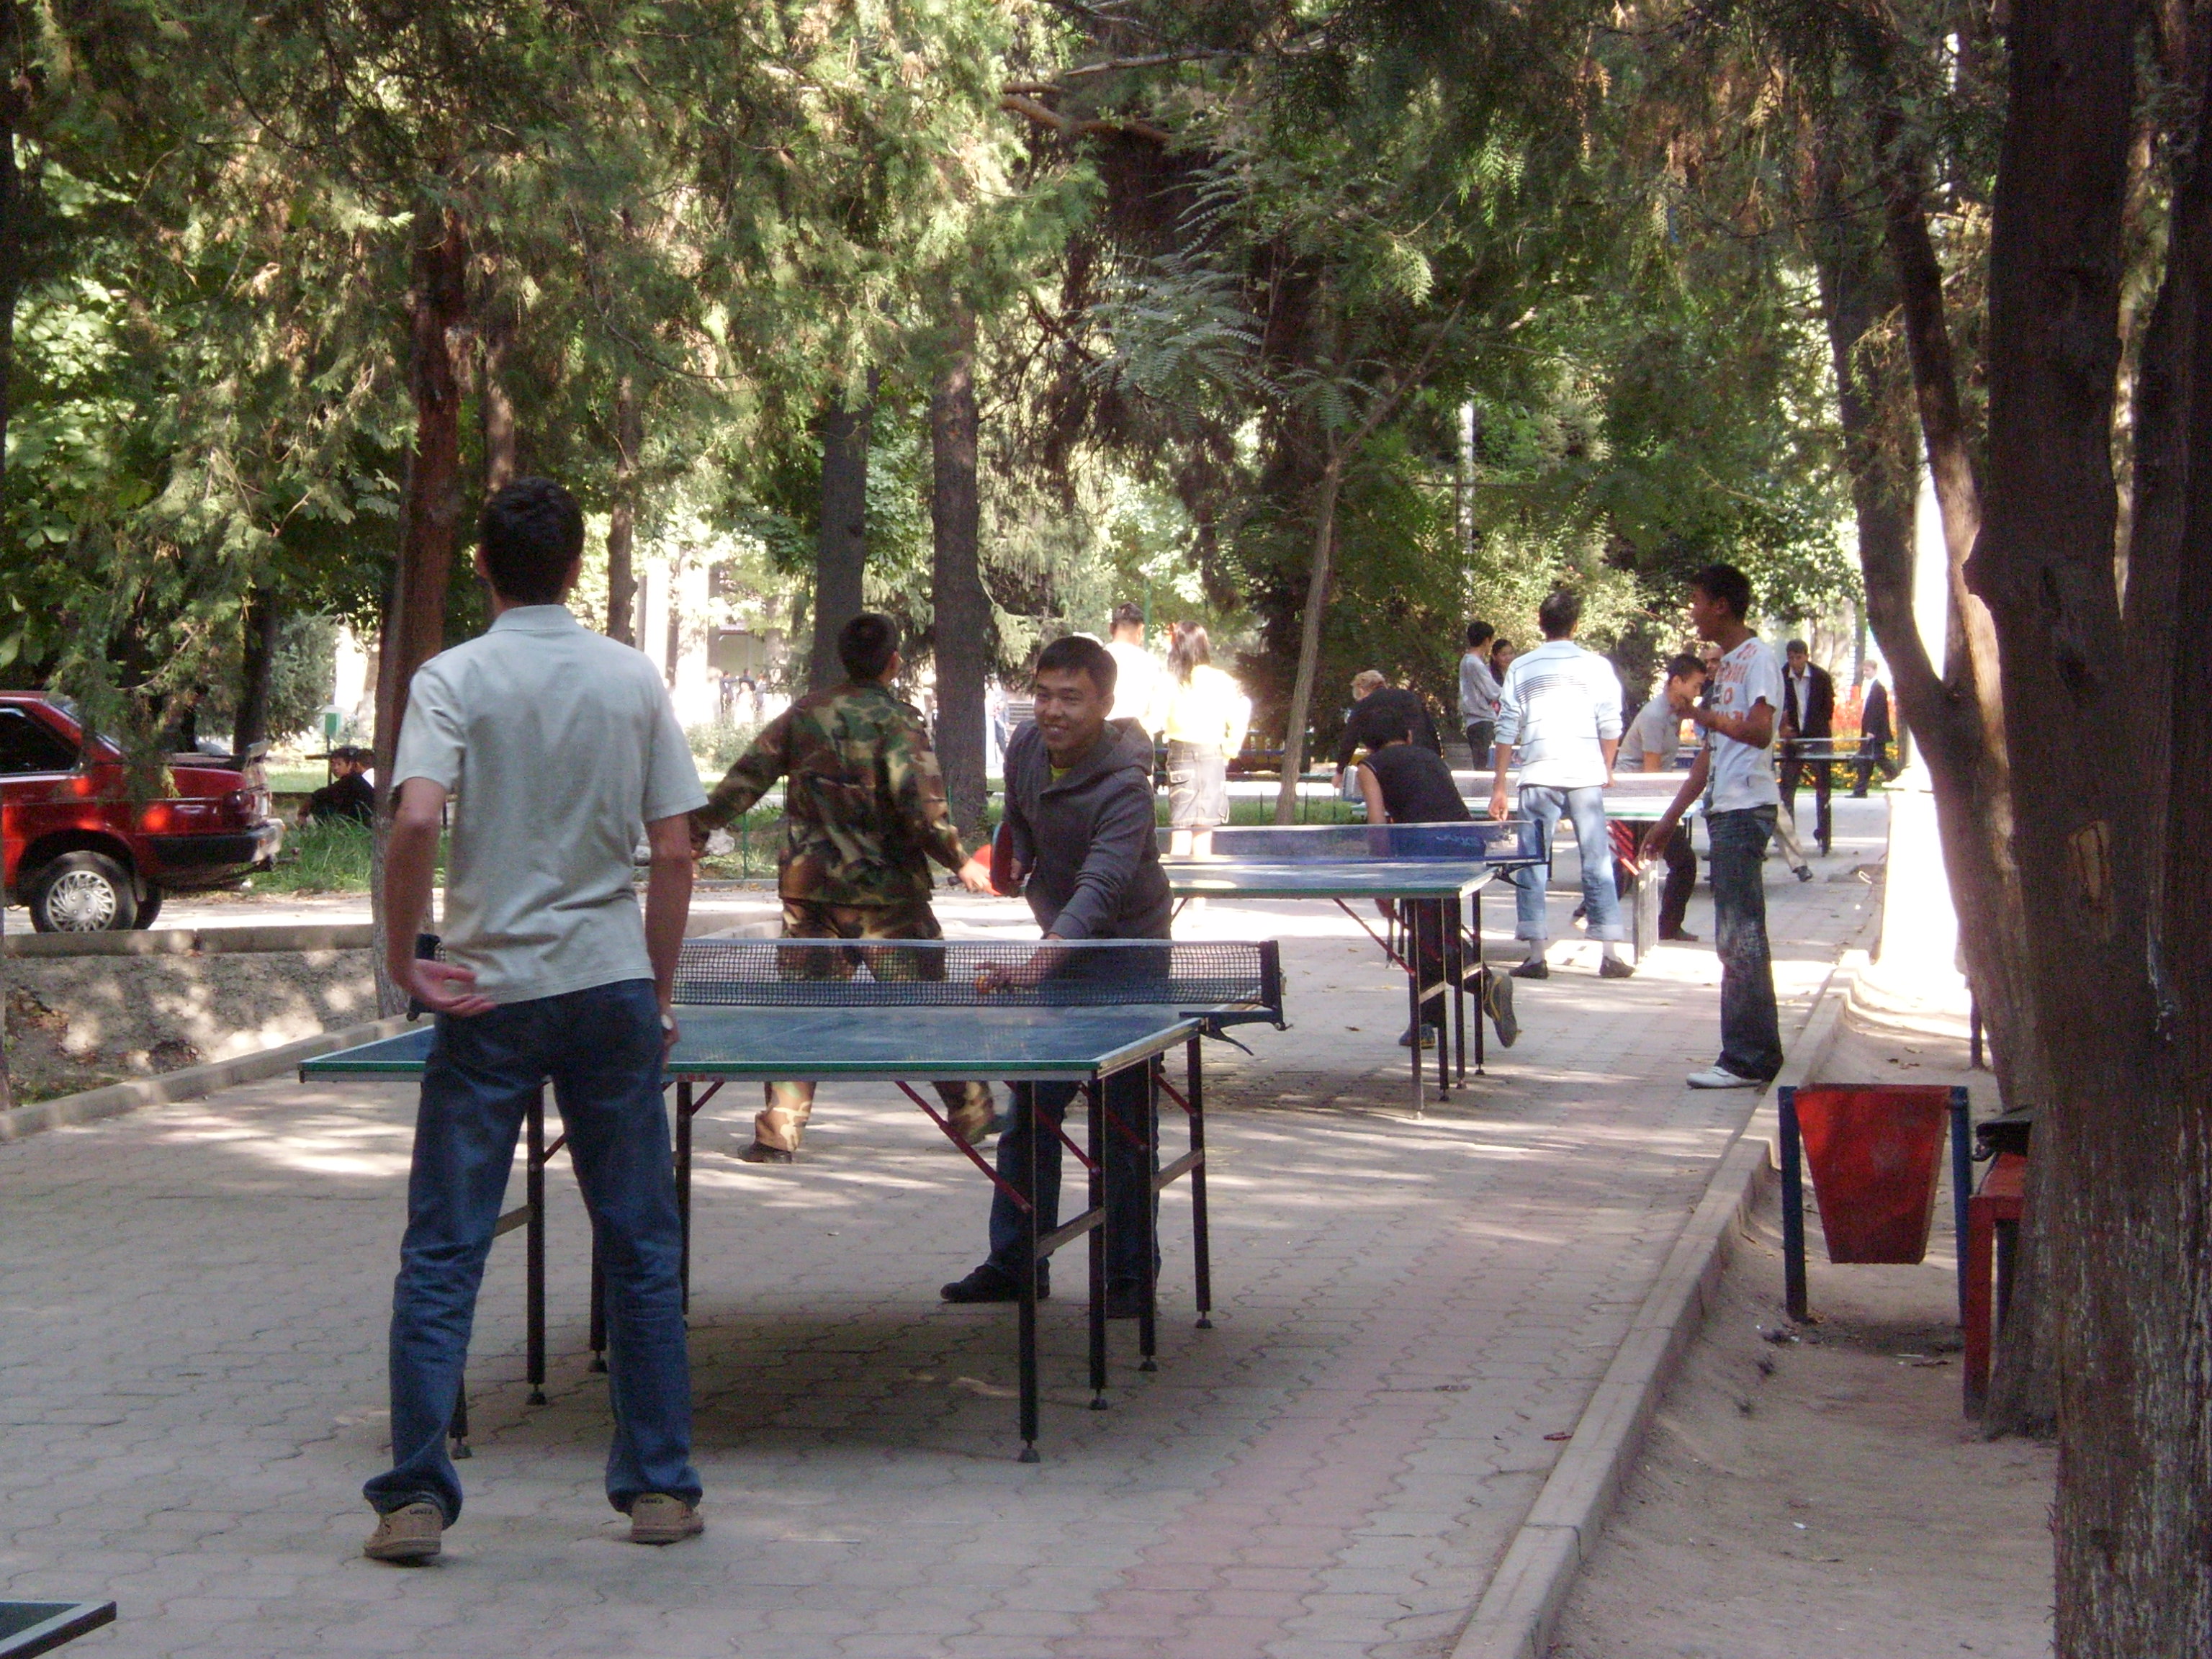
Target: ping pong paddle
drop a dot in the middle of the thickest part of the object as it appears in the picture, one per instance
(1003, 882)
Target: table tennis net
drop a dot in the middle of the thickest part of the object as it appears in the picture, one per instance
(1192, 977)
(1476, 841)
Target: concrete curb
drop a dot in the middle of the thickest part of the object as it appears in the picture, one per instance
(1515, 1616)
(195, 941)
(192, 1083)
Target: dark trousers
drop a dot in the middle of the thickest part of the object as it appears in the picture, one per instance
(1481, 739)
(1751, 1028)
(1823, 782)
(1873, 752)
(1681, 871)
(601, 1050)
(1129, 1167)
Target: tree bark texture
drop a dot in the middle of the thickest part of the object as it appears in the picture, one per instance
(622, 520)
(2123, 1140)
(11, 286)
(1301, 687)
(260, 624)
(840, 546)
(966, 645)
(414, 628)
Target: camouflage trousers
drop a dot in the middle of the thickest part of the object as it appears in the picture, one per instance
(783, 1120)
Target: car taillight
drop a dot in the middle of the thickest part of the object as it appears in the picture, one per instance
(156, 817)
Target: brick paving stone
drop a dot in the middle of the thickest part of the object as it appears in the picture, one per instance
(192, 1333)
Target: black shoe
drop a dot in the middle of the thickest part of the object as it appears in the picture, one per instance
(1534, 968)
(990, 1284)
(1680, 936)
(1428, 1036)
(1803, 872)
(1125, 1299)
(1615, 968)
(757, 1154)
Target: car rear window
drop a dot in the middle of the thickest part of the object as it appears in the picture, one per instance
(28, 746)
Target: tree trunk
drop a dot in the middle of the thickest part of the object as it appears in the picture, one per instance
(965, 642)
(1301, 687)
(621, 521)
(414, 629)
(494, 409)
(11, 285)
(2123, 1140)
(252, 725)
(841, 547)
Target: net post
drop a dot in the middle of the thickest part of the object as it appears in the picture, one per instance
(1200, 1245)
(1148, 1165)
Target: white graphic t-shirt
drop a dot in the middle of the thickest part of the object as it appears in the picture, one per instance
(1741, 775)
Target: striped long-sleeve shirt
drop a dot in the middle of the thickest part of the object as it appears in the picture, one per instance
(1558, 704)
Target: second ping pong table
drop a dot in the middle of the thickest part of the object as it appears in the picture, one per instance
(1435, 871)
(917, 1012)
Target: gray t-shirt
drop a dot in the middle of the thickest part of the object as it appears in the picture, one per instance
(1742, 777)
(1656, 730)
(558, 746)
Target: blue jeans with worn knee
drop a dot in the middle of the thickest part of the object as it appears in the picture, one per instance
(601, 1050)
(1546, 806)
(1129, 1165)
(1750, 1030)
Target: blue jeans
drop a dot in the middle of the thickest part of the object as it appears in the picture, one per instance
(601, 1050)
(1751, 1031)
(1128, 1169)
(1586, 807)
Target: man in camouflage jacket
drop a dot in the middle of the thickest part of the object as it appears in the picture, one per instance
(864, 814)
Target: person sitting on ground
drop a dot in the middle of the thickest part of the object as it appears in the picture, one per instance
(1561, 705)
(1652, 740)
(1204, 714)
(1378, 709)
(1084, 852)
(1405, 783)
(864, 813)
(348, 795)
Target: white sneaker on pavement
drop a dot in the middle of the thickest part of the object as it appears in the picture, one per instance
(1719, 1076)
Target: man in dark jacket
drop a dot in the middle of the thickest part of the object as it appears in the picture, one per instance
(1809, 722)
(1085, 850)
(1875, 731)
(1381, 712)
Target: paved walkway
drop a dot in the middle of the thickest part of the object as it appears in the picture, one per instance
(192, 1302)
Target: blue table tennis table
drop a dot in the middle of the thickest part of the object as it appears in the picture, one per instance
(1432, 875)
(918, 1011)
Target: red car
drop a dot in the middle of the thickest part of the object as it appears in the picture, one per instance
(83, 856)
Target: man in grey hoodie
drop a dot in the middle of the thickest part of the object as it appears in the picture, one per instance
(1086, 851)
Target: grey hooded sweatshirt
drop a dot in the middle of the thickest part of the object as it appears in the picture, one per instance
(1088, 841)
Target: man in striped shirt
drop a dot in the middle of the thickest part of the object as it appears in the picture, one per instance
(1561, 704)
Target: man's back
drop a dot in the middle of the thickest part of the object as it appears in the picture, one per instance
(864, 805)
(557, 746)
(1559, 703)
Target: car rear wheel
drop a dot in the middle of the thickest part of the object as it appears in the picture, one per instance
(82, 893)
(149, 906)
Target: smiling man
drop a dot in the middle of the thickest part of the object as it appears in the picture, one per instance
(1080, 814)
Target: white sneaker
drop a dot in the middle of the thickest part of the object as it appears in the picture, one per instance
(1719, 1076)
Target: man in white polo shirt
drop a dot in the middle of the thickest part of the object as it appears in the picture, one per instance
(556, 749)
(1561, 704)
(1735, 774)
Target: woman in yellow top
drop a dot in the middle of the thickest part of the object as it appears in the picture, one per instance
(1204, 714)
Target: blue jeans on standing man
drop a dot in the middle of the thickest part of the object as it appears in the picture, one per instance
(1751, 1031)
(1586, 808)
(601, 1050)
(1128, 1169)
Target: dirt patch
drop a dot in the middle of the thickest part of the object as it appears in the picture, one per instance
(1815, 1492)
(77, 1022)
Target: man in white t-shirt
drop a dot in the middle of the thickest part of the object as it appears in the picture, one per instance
(1137, 670)
(1561, 705)
(1736, 777)
(557, 752)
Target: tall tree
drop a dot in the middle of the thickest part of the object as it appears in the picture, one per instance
(841, 548)
(963, 630)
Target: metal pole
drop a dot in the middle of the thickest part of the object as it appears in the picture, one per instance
(1962, 1179)
(1793, 1209)
(1093, 1094)
(534, 1251)
(1025, 1338)
(1202, 1246)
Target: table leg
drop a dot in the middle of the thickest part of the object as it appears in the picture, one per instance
(1095, 1242)
(533, 1179)
(683, 1180)
(1981, 1232)
(1414, 1023)
(1148, 1325)
(1455, 971)
(1026, 1329)
(457, 1430)
(598, 1304)
(1481, 966)
(1200, 1245)
(1443, 1014)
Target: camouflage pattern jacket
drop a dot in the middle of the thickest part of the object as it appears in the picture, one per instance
(865, 810)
